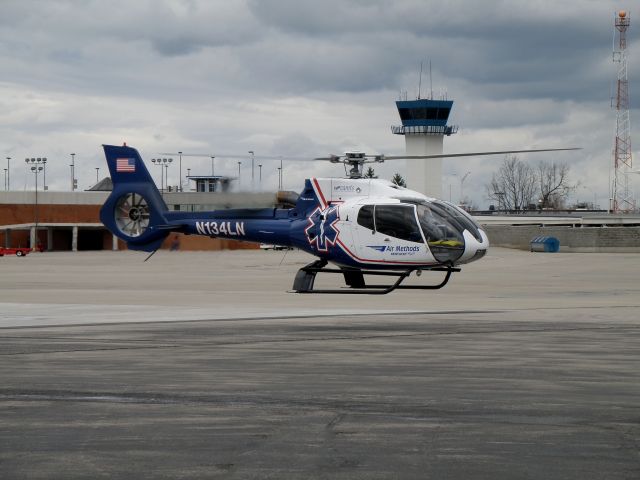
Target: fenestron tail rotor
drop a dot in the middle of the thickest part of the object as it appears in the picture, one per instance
(132, 214)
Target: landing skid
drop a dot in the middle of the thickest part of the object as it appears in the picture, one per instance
(354, 279)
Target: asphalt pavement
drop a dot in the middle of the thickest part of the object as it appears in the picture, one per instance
(201, 365)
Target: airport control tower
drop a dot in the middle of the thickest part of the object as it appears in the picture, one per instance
(424, 125)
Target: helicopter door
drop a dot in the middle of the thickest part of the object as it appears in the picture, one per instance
(389, 233)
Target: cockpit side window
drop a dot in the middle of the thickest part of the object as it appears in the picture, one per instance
(398, 221)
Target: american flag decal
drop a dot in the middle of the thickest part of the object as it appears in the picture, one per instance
(125, 164)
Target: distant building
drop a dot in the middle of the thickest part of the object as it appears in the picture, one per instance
(204, 183)
(70, 220)
(104, 185)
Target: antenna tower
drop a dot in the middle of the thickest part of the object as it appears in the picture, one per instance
(622, 200)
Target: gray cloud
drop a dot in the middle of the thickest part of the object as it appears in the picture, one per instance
(299, 76)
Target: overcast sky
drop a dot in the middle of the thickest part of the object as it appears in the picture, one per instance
(308, 78)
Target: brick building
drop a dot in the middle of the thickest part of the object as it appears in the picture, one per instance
(70, 220)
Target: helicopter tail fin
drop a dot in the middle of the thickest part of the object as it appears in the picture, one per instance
(135, 210)
(311, 197)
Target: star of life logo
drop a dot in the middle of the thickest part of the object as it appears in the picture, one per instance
(322, 230)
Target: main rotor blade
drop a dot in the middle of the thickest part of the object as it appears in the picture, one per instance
(336, 158)
(475, 154)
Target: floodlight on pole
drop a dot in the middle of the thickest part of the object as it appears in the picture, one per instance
(37, 166)
(464, 177)
(180, 173)
(252, 170)
(162, 162)
(73, 172)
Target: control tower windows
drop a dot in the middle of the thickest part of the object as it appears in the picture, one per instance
(424, 113)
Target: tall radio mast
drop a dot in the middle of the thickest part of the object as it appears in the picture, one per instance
(622, 200)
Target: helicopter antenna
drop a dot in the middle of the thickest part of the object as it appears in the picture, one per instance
(420, 81)
(430, 80)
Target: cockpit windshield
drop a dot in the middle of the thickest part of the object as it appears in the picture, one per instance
(461, 218)
(443, 230)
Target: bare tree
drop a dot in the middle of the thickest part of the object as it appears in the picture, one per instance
(514, 185)
(553, 184)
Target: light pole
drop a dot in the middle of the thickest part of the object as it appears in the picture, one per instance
(179, 186)
(44, 174)
(279, 178)
(73, 171)
(252, 170)
(97, 175)
(464, 177)
(42, 162)
(7, 173)
(213, 171)
(450, 181)
(158, 161)
(162, 162)
(37, 165)
(239, 182)
(6, 178)
(260, 176)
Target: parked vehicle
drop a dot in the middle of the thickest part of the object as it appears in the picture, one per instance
(17, 251)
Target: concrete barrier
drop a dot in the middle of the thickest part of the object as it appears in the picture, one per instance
(572, 239)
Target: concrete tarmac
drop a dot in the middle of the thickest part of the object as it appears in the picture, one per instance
(200, 365)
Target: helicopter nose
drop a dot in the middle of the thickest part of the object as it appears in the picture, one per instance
(474, 249)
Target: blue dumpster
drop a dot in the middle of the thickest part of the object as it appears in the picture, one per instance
(545, 244)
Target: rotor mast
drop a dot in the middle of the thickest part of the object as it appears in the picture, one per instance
(355, 161)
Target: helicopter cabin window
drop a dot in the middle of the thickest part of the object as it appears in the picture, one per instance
(365, 217)
(398, 221)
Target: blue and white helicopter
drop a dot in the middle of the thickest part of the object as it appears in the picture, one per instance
(362, 226)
